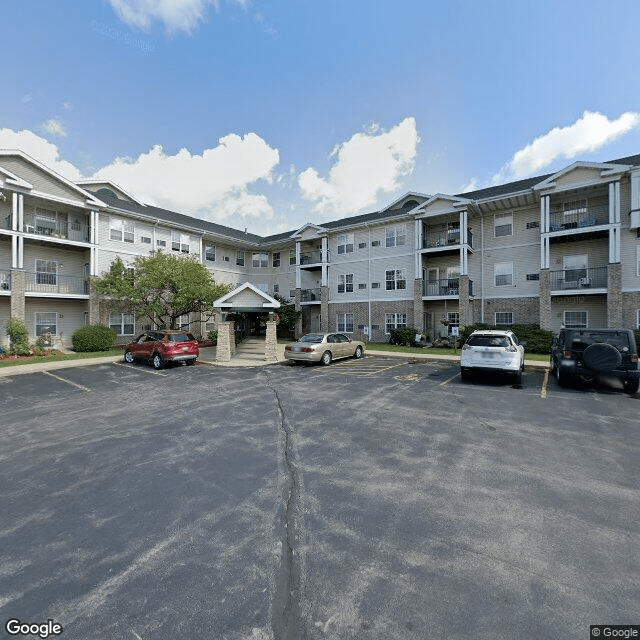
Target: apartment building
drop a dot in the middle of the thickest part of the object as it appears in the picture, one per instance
(556, 250)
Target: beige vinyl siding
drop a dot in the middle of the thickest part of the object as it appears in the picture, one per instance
(595, 306)
(577, 177)
(72, 261)
(5, 315)
(597, 251)
(72, 312)
(5, 252)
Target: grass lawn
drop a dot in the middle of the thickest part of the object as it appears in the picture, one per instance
(60, 357)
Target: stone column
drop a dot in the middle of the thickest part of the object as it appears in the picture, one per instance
(464, 302)
(18, 287)
(232, 339)
(614, 295)
(418, 306)
(223, 350)
(271, 342)
(545, 299)
(324, 309)
(297, 300)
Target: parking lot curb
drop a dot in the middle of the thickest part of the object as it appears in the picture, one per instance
(533, 364)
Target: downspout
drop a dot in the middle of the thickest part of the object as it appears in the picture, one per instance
(482, 266)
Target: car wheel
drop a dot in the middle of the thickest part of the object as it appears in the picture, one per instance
(157, 361)
(517, 377)
(326, 358)
(561, 377)
(358, 353)
(190, 363)
(631, 386)
(128, 356)
(465, 375)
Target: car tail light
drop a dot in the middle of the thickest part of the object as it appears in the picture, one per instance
(465, 346)
(287, 348)
(567, 354)
(307, 349)
(512, 349)
(634, 358)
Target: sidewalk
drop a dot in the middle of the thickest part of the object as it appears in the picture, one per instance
(247, 357)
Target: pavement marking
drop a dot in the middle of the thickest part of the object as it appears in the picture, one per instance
(545, 383)
(75, 384)
(448, 380)
(153, 373)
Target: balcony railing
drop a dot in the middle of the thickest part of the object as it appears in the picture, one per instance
(433, 238)
(42, 282)
(5, 281)
(579, 218)
(55, 228)
(312, 257)
(312, 295)
(447, 287)
(589, 278)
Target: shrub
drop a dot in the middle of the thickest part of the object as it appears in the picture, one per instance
(404, 336)
(19, 337)
(93, 337)
(538, 340)
(213, 337)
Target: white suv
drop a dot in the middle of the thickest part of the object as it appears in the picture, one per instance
(494, 351)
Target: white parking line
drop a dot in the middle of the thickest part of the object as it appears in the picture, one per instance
(154, 373)
(545, 383)
(75, 384)
(448, 380)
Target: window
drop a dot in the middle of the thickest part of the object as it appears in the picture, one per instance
(534, 224)
(240, 258)
(292, 256)
(121, 230)
(345, 283)
(145, 239)
(396, 236)
(575, 319)
(375, 243)
(362, 245)
(503, 225)
(394, 321)
(396, 279)
(182, 322)
(123, 323)
(276, 288)
(345, 243)
(46, 322)
(275, 259)
(260, 260)
(161, 243)
(210, 252)
(344, 322)
(577, 207)
(46, 272)
(575, 269)
(533, 276)
(179, 242)
(503, 274)
(362, 286)
(375, 285)
(504, 318)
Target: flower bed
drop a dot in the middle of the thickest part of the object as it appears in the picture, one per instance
(45, 354)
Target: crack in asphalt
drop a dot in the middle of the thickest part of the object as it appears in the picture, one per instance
(286, 618)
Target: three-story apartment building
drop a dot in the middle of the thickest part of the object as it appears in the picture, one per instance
(556, 250)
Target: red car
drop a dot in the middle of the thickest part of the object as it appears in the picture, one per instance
(162, 347)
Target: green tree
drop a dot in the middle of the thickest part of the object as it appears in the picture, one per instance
(288, 317)
(161, 287)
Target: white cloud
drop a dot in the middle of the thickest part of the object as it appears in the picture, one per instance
(589, 133)
(54, 128)
(177, 15)
(213, 185)
(366, 165)
(42, 150)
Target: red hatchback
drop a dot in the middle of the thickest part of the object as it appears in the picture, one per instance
(162, 347)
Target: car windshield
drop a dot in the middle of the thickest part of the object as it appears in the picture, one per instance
(312, 337)
(180, 337)
(583, 339)
(488, 341)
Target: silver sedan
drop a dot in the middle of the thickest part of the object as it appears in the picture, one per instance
(323, 347)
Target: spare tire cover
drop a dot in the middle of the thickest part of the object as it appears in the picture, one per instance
(601, 357)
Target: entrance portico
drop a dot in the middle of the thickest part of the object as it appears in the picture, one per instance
(255, 308)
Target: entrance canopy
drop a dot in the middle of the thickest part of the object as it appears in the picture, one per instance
(247, 298)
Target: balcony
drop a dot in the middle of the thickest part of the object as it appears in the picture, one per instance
(445, 288)
(312, 258)
(311, 295)
(578, 218)
(55, 284)
(444, 239)
(5, 281)
(56, 228)
(582, 279)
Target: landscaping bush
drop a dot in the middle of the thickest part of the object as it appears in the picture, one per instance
(93, 337)
(538, 340)
(212, 336)
(19, 337)
(403, 336)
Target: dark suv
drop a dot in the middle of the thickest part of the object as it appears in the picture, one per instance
(592, 354)
(161, 347)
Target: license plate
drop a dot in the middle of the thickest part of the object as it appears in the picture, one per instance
(487, 354)
(297, 349)
(185, 349)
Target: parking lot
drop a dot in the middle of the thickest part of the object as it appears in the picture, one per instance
(380, 498)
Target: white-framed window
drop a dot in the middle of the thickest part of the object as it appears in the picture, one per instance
(260, 260)
(145, 239)
(396, 279)
(121, 230)
(344, 322)
(46, 272)
(503, 224)
(123, 323)
(275, 259)
(345, 243)
(503, 274)
(503, 318)
(179, 242)
(394, 321)
(345, 283)
(46, 322)
(182, 322)
(292, 256)
(576, 319)
(161, 243)
(210, 252)
(396, 236)
(240, 258)
(276, 288)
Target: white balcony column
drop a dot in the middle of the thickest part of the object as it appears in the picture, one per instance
(544, 214)
(298, 275)
(614, 244)
(14, 252)
(614, 202)
(544, 252)
(20, 212)
(200, 252)
(14, 212)
(418, 245)
(20, 252)
(325, 260)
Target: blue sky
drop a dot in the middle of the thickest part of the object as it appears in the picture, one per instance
(267, 114)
